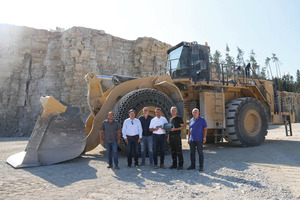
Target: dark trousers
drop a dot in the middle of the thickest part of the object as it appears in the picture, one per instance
(199, 146)
(159, 141)
(176, 149)
(132, 145)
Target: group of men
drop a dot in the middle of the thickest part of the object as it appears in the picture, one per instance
(149, 132)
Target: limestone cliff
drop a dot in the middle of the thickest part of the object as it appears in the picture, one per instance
(39, 62)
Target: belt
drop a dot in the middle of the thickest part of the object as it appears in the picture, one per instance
(159, 134)
(133, 136)
(147, 135)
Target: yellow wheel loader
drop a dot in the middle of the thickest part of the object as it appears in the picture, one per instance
(236, 104)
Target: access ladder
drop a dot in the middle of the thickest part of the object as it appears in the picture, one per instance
(218, 112)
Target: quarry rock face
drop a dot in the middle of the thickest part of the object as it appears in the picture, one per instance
(38, 62)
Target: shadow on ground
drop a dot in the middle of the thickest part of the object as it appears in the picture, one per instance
(217, 157)
(69, 172)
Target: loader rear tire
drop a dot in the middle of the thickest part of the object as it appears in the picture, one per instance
(246, 122)
(137, 100)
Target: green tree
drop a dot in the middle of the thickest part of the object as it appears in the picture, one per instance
(297, 84)
(287, 83)
(240, 57)
(262, 73)
(254, 64)
(217, 57)
(267, 64)
(229, 62)
(298, 75)
(276, 62)
(216, 61)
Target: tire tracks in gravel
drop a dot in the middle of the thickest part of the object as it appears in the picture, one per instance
(284, 165)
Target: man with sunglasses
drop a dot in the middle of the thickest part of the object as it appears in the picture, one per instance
(132, 134)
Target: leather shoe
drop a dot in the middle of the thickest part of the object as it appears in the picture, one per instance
(173, 167)
(110, 166)
(190, 167)
(162, 166)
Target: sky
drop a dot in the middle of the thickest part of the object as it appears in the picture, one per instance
(266, 26)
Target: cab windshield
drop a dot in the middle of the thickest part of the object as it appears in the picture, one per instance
(178, 59)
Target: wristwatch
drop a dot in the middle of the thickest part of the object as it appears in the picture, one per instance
(204, 138)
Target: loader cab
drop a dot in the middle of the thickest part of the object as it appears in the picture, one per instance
(189, 60)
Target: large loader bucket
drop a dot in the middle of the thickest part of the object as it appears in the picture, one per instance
(58, 135)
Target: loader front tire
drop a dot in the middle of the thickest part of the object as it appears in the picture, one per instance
(246, 122)
(137, 100)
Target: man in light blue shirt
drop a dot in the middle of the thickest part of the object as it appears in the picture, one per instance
(132, 134)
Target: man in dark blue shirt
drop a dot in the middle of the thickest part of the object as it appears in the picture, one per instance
(147, 140)
(196, 138)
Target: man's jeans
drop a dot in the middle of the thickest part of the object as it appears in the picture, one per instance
(159, 141)
(132, 145)
(147, 141)
(114, 148)
(199, 145)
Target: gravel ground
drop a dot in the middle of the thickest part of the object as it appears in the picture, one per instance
(269, 171)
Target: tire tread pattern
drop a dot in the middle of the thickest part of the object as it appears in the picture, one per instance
(232, 134)
(138, 99)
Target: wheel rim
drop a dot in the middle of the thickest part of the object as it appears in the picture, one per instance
(252, 123)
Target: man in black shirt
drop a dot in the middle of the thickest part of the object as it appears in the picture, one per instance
(147, 140)
(174, 139)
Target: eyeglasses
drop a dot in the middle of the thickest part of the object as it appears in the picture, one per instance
(132, 122)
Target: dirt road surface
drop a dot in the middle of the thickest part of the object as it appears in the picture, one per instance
(268, 171)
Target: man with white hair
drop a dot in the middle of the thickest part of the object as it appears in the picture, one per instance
(174, 139)
(196, 138)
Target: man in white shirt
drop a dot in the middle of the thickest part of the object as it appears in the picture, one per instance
(159, 137)
(132, 134)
